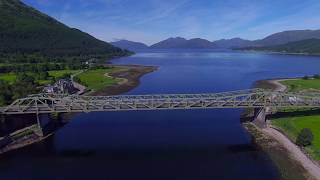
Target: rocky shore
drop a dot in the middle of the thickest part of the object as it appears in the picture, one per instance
(130, 79)
(287, 156)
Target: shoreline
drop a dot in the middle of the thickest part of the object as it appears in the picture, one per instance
(131, 79)
(279, 53)
(292, 151)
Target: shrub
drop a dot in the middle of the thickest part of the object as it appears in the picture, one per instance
(305, 137)
(66, 76)
(316, 76)
(293, 86)
(306, 77)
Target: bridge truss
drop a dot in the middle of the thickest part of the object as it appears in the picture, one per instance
(251, 98)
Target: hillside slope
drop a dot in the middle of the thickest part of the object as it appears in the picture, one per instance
(233, 43)
(309, 46)
(24, 30)
(181, 43)
(130, 45)
(288, 36)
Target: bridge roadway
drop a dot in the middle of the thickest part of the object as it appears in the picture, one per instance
(251, 98)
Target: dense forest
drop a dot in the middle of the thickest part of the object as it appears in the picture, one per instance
(29, 35)
(24, 85)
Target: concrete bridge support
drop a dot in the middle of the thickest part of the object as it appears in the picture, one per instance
(2, 124)
(39, 130)
(260, 117)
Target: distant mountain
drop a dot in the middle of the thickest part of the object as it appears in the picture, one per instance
(130, 45)
(182, 43)
(170, 43)
(24, 30)
(288, 36)
(233, 43)
(309, 46)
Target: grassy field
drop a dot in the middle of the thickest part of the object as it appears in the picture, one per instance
(302, 84)
(97, 79)
(293, 125)
(60, 73)
(10, 77)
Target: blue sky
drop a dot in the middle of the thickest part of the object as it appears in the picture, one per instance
(150, 21)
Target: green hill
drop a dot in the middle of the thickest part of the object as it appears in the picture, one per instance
(26, 32)
(309, 46)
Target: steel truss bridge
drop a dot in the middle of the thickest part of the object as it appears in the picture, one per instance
(251, 98)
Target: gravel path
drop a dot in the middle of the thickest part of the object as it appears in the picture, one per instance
(278, 85)
(295, 151)
(80, 87)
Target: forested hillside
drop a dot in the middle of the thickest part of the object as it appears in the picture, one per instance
(309, 46)
(29, 35)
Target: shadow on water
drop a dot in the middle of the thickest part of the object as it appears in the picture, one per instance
(13, 123)
(171, 162)
(49, 123)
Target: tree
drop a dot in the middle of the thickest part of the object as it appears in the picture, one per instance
(316, 76)
(306, 78)
(43, 75)
(66, 76)
(5, 93)
(305, 137)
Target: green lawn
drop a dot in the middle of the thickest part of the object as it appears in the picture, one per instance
(293, 125)
(10, 77)
(302, 84)
(60, 73)
(96, 79)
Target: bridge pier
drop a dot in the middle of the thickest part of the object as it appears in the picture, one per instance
(260, 117)
(39, 130)
(2, 119)
(2, 124)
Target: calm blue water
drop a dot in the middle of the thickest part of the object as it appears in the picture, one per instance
(199, 144)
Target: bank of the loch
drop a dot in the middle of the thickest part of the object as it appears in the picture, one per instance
(128, 77)
(290, 160)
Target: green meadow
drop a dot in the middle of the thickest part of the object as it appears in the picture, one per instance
(98, 79)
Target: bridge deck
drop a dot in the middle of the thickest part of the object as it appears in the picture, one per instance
(251, 98)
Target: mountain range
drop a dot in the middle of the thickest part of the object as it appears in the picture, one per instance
(178, 42)
(276, 39)
(25, 30)
(130, 45)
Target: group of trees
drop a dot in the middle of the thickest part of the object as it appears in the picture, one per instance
(23, 86)
(316, 76)
(39, 67)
